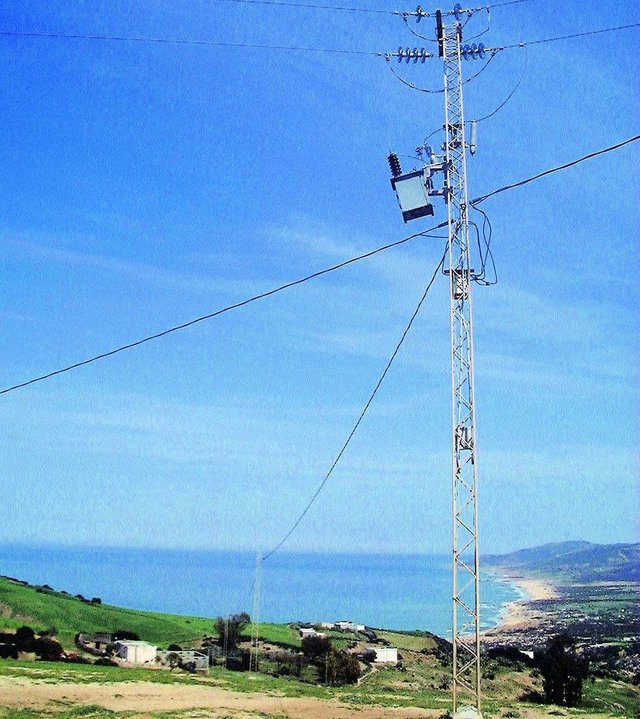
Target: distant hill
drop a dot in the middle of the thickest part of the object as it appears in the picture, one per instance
(583, 562)
(42, 607)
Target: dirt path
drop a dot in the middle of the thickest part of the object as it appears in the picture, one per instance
(148, 697)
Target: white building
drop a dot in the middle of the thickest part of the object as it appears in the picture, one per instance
(346, 626)
(384, 655)
(135, 652)
(307, 632)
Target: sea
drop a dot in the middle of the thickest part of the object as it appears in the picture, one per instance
(393, 591)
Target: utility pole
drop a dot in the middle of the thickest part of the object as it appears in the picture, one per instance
(255, 618)
(466, 578)
(414, 191)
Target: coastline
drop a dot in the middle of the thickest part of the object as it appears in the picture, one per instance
(521, 614)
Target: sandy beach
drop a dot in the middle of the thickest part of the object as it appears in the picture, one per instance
(521, 614)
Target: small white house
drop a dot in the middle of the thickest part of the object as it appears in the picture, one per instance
(346, 626)
(135, 652)
(384, 655)
(307, 632)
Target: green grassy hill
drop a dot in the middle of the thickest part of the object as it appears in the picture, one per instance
(22, 604)
(43, 608)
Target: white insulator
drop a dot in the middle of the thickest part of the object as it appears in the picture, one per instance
(473, 142)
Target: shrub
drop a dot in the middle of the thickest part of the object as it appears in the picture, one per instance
(338, 667)
(24, 639)
(48, 649)
(314, 647)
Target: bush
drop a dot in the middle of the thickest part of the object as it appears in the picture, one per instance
(105, 662)
(124, 634)
(174, 648)
(229, 629)
(24, 639)
(314, 647)
(48, 649)
(338, 667)
(562, 671)
(8, 651)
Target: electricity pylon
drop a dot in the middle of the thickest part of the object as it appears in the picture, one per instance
(255, 618)
(466, 578)
(414, 191)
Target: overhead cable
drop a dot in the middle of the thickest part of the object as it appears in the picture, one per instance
(512, 93)
(180, 41)
(591, 155)
(223, 310)
(567, 37)
(425, 233)
(310, 6)
(354, 429)
(261, 46)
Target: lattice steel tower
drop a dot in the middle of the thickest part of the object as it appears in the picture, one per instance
(466, 580)
(414, 191)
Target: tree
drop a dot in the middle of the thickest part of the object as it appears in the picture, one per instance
(25, 637)
(338, 667)
(563, 671)
(314, 647)
(230, 629)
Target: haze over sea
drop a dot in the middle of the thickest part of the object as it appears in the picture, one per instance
(396, 591)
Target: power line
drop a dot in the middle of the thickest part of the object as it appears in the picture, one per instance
(591, 155)
(512, 93)
(261, 46)
(567, 37)
(420, 13)
(362, 414)
(425, 233)
(221, 311)
(342, 8)
(179, 41)
(311, 6)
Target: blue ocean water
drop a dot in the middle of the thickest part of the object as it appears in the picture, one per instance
(380, 590)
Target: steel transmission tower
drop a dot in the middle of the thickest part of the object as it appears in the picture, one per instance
(414, 191)
(466, 580)
(255, 618)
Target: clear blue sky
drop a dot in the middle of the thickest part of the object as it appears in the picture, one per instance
(142, 185)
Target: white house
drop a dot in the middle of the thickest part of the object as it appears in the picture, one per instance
(135, 652)
(346, 626)
(307, 632)
(384, 655)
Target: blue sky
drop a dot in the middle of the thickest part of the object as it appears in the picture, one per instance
(142, 185)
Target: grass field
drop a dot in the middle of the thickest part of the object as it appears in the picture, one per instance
(21, 604)
(421, 682)
(418, 685)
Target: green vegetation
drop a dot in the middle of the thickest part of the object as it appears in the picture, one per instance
(414, 642)
(568, 562)
(21, 604)
(280, 634)
(422, 683)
